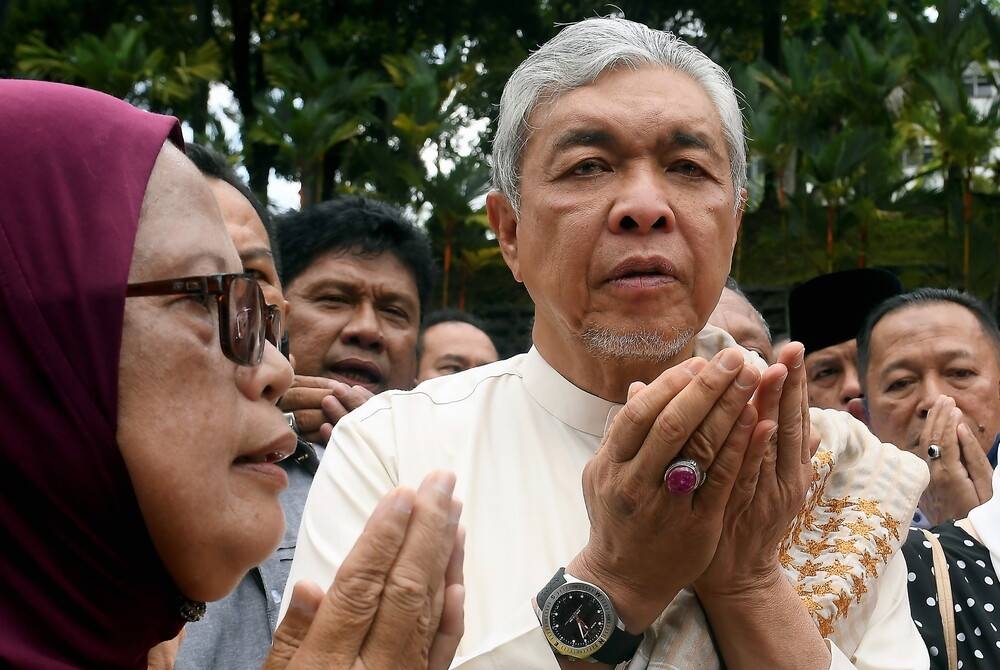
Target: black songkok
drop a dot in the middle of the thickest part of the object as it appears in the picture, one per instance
(831, 308)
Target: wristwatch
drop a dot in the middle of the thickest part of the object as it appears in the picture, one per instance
(580, 622)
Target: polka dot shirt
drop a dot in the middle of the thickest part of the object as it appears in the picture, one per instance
(975, 593)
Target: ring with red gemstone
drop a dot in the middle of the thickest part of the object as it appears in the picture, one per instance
(683, 476)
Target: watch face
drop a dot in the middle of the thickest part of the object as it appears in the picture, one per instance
(578, 619)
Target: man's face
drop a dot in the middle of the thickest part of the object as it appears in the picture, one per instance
(832, 375)
(922, 352)
(627, 220)
(734, 315)
(355, 319)
(453, 346)
(251, 240)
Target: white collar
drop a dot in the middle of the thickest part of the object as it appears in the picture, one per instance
(589, 413)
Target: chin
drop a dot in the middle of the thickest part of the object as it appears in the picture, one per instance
(234, 554)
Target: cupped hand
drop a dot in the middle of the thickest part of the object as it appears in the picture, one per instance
(962, 477)
(397, 600)
(647, 543)
(319, 403)
(771, 486)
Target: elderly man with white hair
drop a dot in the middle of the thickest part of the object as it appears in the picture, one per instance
(638, 492)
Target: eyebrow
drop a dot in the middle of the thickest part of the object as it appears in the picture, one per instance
(946, 356)
(583, 137)
(595, 137)
(452, 358)
(352, 288)
(219, 264)
(256, 252)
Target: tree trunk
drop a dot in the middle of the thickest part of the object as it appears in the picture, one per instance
(967, 229)
(831, 218)
(446, 262)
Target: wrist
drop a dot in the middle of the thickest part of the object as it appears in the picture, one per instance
(636, 609)
(755, 589)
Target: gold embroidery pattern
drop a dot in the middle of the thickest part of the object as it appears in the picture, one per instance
(836, 547)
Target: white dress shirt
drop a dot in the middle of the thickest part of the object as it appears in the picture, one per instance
(518, 435)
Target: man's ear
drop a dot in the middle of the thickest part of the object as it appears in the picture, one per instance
(740, 211)
(503, 222)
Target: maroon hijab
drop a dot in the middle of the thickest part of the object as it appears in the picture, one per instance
(82, 585)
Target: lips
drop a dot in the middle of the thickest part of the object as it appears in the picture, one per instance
(262, 463)
(355, 371)
(275, 451)
(643, 272)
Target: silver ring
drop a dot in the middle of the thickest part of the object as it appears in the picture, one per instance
(292, 423)
(934, 452)
(683, 476)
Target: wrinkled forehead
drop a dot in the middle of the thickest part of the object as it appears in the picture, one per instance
(688, 99)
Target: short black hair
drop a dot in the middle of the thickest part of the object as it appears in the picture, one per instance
(214, 165)
(448, 315)
(918, 297)
(359, 226)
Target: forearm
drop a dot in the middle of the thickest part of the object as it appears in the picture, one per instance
(767, 627)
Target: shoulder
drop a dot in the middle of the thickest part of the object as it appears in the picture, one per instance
(460, 391)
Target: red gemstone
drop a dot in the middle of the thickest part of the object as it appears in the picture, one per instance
(682, 479)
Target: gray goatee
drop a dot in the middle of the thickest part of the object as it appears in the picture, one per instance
(647, 345)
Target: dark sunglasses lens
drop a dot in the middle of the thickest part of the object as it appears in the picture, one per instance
(275, 329)
(246, 321)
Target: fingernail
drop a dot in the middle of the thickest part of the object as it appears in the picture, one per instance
(772, 437)
(304, 606)
(455, 513)
(746, 416)
(730, 360)
(798, 359)
(956, 414)
(444, 483)
(634, 388)
(781, 379)
(402, 500)
(747, 377)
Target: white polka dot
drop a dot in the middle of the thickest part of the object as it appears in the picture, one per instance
(930, 602)
(969, 543)
(970, 602)
(980, 564)
(961, 637)
(988, 580)
(960, 664)
(912, 577)
(276, 596)
(934, 650)
(919, 625)
(927, 544)
(960, 564)
(958, 608)
(978, 653)
(998, 644)
(988, 607)
(977, 631)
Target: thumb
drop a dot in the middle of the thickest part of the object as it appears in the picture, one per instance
(306, 597)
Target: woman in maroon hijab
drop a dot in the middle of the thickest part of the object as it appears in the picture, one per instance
(139, 435)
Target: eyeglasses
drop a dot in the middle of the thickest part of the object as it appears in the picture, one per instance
(245, 319)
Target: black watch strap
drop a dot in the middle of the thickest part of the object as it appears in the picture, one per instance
(620, 647)
(547, 590)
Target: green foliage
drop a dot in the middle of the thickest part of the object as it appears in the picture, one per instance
(865, 145)
(122, 63)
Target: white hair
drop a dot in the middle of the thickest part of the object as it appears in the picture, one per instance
(576, 57)
(646, 345)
